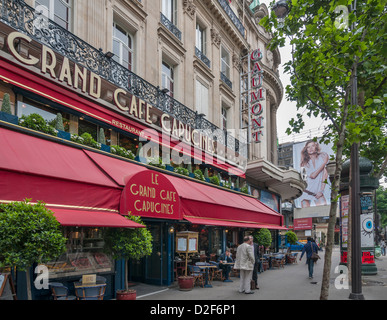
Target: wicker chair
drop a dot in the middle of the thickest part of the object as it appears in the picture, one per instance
(198, 274)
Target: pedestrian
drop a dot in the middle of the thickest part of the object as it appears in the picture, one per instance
(245, 263)
(227, 258)
(256, 263)
(383, 247)
(309, 248)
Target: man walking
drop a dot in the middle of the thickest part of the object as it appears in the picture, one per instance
(256, 264)
(309, 248)
(245, 263)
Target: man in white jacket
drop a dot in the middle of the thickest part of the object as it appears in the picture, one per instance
(245, 263)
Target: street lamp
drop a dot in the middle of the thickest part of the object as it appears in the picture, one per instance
(281, 10)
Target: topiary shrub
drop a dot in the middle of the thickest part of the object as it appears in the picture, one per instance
(6, 104)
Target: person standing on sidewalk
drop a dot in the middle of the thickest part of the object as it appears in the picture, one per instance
(245, 263)
(309, 248)
(256, 264)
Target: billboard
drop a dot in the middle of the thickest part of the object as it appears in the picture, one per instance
(311, 158)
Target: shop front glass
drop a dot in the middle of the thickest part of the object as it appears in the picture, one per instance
(84, 254)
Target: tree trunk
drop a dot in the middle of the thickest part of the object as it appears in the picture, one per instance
(333, 210)
(126, 275)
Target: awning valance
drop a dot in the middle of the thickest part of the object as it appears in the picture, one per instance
(88, 218)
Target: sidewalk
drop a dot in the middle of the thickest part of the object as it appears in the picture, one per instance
(288, 283)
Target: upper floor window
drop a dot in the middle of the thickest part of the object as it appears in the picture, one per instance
(224, 117)
(200, 38)
(122, 46)
(167, 78)
(201, 98)
(168, 9)
(58, 11)
(225, 62)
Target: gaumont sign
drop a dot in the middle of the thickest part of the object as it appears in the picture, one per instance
(150, 194)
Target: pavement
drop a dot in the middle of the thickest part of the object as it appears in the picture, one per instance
(288, 283)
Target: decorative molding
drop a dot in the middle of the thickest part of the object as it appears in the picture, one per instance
(189, 8)
(215, 37)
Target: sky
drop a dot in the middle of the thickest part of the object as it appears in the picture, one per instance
(287, 109)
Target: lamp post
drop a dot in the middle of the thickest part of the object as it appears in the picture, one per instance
(356, 288)
(281, 9)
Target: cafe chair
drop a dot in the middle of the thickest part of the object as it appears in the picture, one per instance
(60, 292)
(216, 273)
(91, 293)
(278, 261)
(198, 274)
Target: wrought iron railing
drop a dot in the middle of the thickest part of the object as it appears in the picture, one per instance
(170, 26)
(238, 24)
(20, 16)
(226, 80)
(202, 57)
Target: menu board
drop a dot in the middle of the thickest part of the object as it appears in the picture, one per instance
(182, 244)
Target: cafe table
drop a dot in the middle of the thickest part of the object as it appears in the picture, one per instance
(206, 266)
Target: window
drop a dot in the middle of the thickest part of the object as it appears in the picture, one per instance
(168, 9)
(167, 78)
(225, 62)
(58, 11)
(201, 98)
(200, 38)
(122, 46)
(224, 117)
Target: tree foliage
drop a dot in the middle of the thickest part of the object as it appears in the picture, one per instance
(28, 234)
(381, 205)
(335, 53)
(263, 237)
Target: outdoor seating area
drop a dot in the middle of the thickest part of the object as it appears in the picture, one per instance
(85, 289)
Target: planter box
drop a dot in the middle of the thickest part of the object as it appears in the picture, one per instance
(140, 159)
(105, 148)
(9, 118)
(64, 135)
(192, 175)
(169, 168)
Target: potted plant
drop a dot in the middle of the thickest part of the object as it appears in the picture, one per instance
(263, 237)
(102, 140)
(206, 175)
(189, 168)
(182, 171)
(28, 234)
(125, 243)
(291, 238)
(6, 113)
(121, 151)
(199, 175)
(215, 180)
(140, 154)
(36, 122)
(60, 128)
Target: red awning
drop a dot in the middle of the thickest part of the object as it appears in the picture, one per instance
(221, 223)
(87, 218)
(54, 173)
(203, 201)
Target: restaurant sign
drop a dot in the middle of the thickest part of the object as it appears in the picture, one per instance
(150, 194)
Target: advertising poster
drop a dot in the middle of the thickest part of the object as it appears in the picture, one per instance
(344, 220)
(311, 158)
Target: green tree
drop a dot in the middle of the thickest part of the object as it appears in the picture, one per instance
(381, 205)
(263, 237)
(326, 57)
(28, 234)
(59, 122)
(127, 243)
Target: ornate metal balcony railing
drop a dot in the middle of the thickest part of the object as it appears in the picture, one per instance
(226, 80)
(170, 26)
(202, 57)
(232, 16)
(23, 18)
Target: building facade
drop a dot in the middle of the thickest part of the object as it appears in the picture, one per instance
(144, 91)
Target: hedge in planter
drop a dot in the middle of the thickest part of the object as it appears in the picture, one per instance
(125, 243)
(29, 234)
(5, 112)
(36, 122)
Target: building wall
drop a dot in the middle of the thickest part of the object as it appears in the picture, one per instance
(92, 21)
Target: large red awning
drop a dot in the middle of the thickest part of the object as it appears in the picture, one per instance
(88, 218)
(56, 174)
(230, 223)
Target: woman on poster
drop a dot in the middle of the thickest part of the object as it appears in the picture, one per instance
(314, 161)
